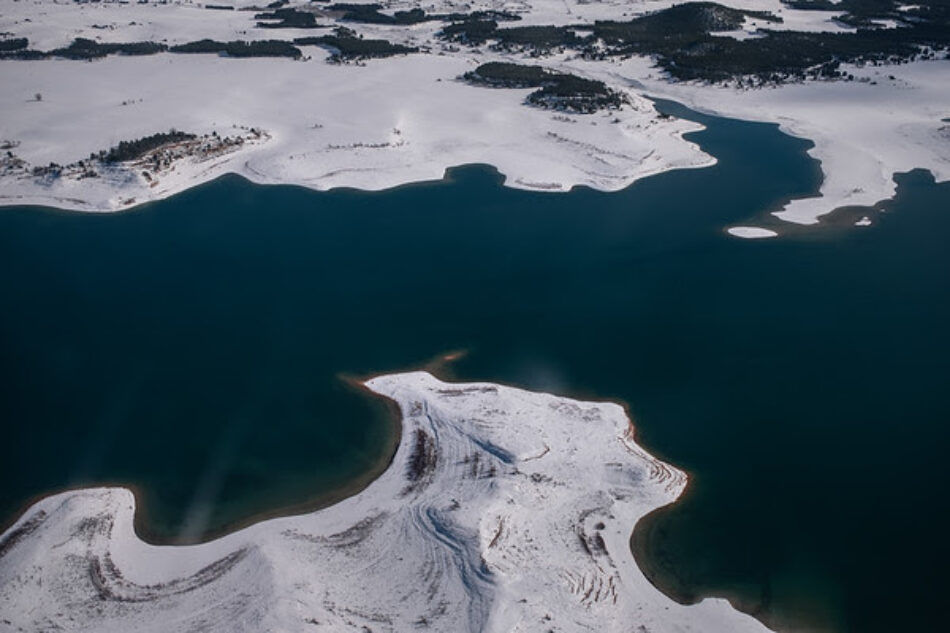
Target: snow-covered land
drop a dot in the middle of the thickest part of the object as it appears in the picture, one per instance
(383, 122)
(370, 125)
(503, 510)
(389, 122)
(864, 131)
(751, 232)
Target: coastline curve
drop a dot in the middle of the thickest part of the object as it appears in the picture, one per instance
(516, 504)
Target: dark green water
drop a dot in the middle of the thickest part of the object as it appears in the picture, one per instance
(192, 347)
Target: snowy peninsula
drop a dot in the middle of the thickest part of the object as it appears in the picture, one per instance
(502, 510)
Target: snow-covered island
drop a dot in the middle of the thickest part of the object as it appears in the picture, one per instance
(502, 510)
(375, 95)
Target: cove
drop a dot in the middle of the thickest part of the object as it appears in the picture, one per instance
(193, 348)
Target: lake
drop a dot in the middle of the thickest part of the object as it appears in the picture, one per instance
(196, 349)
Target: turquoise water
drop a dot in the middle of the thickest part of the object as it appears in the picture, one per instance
(193, 348)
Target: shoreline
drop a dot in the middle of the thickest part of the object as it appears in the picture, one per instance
(863, 133)
(377, 124)
(423, 126)
(318, 502)
(772, 222)
(440, 367)
(763, 226)
(76, 205)
(641, 544)
(437, 366)
(514, 433)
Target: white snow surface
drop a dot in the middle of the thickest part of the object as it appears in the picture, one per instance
(389, 122)
(371, 126)
(516, 517)
(404, 119)
(751, 232)
(889, 121)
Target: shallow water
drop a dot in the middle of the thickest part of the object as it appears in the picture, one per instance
(193, 347)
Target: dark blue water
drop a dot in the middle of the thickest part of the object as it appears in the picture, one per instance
(193, 348)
